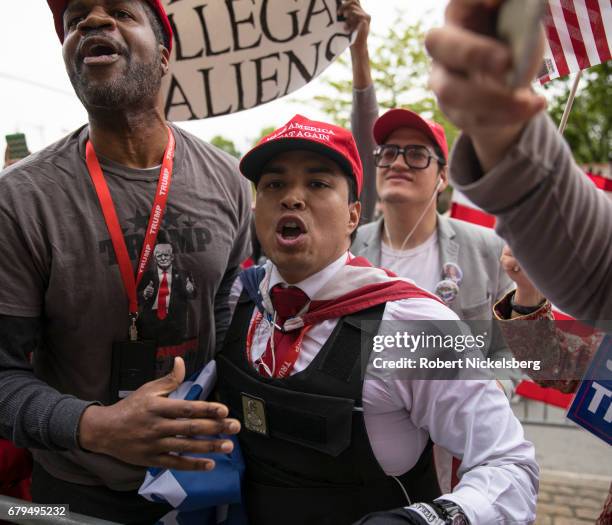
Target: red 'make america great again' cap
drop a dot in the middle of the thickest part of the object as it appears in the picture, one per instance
(404, 118)
(59, 6)
(301, 133)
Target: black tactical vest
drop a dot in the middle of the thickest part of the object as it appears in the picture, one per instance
(307, 453)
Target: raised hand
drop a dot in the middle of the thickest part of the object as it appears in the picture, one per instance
(469, 78)
(356, 20)
(526, 293)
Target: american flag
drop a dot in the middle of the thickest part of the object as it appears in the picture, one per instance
(200, 498)
(579, 35)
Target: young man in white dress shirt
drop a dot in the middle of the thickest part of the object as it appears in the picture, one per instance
(321, 444)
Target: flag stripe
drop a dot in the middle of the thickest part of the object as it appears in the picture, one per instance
(555, 43)
(564, 36)
(579, 36)
(601, 182)
(601, 21)
(574, 33)
(599, 32)
(460, 198)
(465, 213)
(588, 37)
(550, 396)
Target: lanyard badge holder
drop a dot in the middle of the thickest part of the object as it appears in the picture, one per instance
(133, 364)
(133, 360)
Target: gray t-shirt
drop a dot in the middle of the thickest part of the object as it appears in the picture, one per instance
(59, 265)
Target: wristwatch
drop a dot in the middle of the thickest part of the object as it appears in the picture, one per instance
(524, 310)
(453, 513)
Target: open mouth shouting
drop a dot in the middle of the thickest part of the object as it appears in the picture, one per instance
(99, 51)
(290, 231)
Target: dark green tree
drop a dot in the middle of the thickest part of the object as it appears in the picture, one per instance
(589, 128)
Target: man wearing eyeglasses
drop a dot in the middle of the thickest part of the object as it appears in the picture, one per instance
(405, 161)
(410, 158)
(454, 259)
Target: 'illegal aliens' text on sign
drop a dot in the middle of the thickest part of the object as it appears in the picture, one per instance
(231, 55)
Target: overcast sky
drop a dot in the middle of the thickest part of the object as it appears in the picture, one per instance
(36, 97)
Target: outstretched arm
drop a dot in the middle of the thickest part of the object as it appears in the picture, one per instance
(365, 107)
(512, 162)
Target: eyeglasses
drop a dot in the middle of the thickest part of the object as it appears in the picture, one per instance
(415, 157)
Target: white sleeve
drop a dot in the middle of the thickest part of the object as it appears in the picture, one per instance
(473, 420)
(418, 310)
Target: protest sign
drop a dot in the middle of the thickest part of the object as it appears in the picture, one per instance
(592, 406)
(237, 54)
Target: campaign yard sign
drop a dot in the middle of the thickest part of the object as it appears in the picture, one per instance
(592, 406)
(233, 55)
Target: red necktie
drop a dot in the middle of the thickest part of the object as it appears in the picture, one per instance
(287, 303)
(162, 308)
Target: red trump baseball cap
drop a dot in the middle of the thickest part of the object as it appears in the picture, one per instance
(404, 118)
(59, 6)
(301, 133)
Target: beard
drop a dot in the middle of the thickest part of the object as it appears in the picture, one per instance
(137, 85)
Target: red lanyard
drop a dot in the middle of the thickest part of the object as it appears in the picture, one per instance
(287, 356)
(112, 222)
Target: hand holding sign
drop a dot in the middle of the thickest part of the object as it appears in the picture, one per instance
(357, 20)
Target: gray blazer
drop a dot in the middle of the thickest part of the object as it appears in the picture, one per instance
(476, 250)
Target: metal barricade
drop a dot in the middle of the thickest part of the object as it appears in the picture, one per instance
(533, 412)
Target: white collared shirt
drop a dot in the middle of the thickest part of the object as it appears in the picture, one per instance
(469, 418)
(311, 285)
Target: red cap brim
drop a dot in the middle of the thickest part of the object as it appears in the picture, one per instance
(254, 161)
(404, 118)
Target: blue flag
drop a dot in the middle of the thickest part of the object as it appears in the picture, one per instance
(202, 498)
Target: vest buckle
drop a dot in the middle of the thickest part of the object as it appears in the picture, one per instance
(254, 414)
